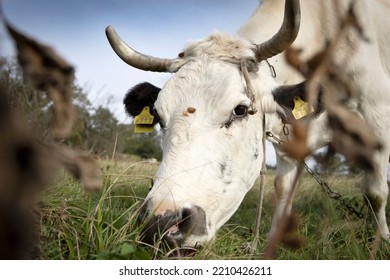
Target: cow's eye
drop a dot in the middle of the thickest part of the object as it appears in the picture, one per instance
(240, 110)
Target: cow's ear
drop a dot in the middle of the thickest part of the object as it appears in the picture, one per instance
(285, 96)
(140, 96)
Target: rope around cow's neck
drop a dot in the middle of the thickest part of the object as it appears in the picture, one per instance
(251, 94)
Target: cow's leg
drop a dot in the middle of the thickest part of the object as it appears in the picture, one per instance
(375, 190)
(376, 111)
(374, 105)
(286, 172)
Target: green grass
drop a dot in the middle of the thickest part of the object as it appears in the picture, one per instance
(79, 225)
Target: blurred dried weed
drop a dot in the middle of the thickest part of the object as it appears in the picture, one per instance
(351, 136)
(27, 161)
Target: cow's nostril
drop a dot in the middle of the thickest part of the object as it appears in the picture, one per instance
(193, 221)
(173, 227)
(187, 220)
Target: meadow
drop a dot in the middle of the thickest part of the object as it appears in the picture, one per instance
(77, 225)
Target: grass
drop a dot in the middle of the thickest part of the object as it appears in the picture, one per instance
(79, 225)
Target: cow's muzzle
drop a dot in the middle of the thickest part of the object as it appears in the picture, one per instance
(173, 227)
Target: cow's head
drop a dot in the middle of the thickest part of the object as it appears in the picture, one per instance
(211, 113)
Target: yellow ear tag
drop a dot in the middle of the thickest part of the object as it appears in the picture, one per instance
(301, 108)
(144, 121)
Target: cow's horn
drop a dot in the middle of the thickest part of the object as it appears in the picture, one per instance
(286, 35)
(139, 60)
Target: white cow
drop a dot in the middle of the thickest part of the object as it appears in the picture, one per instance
(213, 122)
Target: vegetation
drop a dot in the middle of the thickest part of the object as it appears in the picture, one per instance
(77, 225)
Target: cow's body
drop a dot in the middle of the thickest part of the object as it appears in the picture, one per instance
(367, 63)
(213, 152)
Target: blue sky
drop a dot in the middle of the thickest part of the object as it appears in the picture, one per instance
(75, 28)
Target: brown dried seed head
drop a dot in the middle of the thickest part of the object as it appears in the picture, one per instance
(191, 110)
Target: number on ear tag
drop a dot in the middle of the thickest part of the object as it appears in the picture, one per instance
(301, 108)
(144, 121)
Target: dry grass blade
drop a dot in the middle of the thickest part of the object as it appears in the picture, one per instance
(285, 232)
(44, 69)
(47, 71)
(352, 137)
(350, 134)
(297, 146)
(21, 178)
(79, 164)
(26, 160)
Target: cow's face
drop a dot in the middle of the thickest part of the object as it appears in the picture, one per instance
(212, 128)
(212, 147)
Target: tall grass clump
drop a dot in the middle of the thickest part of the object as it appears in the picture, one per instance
(103, 225)
(80, 225)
